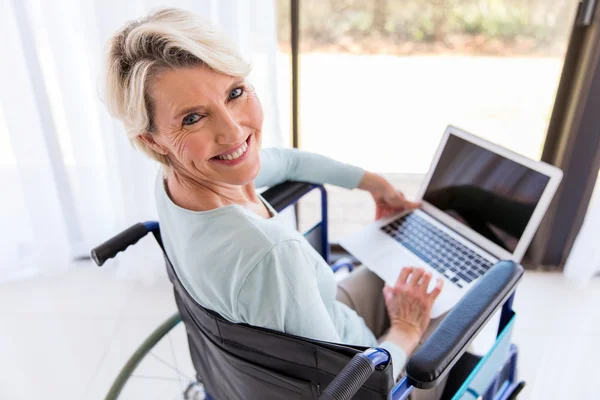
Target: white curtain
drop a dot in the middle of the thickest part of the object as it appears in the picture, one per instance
(584, 260)
(70, 179)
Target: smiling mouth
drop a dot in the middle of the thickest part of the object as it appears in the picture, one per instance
(237, 153)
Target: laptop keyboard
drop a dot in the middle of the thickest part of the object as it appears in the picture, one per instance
(448, 256)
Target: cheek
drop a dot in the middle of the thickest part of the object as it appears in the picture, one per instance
(255, 112)
(194, 148)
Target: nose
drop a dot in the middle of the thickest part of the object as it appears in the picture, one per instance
(229, 129)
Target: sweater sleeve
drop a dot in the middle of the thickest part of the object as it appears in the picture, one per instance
(279, 165)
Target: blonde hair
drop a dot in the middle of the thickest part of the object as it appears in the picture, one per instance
(165, 39)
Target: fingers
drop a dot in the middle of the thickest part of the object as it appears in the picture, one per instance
(397, 201)
(394, 199)
(406, 271)
(425, 280)
(388, 293)
(412, 204)
(437, 290)
(407, 203)
(416, 276)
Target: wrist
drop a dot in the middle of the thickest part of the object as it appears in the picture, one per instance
(371, 182)
(406, 337)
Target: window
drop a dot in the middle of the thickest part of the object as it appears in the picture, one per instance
(381, 79)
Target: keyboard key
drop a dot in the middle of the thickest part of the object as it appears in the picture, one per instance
(471, 274)
(464, 277)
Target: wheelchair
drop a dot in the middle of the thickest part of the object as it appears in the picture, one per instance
(239, 361)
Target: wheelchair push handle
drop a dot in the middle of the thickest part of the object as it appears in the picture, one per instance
(345, 385)
(118, 243)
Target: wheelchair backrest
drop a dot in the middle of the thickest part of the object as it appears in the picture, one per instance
(238, 361)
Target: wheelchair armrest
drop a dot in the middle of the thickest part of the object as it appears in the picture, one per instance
(286, 193)
(449, 341)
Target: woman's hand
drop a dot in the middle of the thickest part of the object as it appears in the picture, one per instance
(388, 201)
(409, 306)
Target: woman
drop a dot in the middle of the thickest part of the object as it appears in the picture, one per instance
(179, 87)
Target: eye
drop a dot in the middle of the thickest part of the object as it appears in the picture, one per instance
(235, 93)
(191, 119)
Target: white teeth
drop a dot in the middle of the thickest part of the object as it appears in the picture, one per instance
(236, 154)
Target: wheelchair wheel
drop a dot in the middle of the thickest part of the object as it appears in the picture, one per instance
(139, 379)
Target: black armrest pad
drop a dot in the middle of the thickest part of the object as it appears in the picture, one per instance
(282, 195)
(449, 341)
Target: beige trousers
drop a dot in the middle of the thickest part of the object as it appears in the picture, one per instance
(362, 291)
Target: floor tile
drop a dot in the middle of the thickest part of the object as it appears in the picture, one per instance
(51, 358)
(567, 369)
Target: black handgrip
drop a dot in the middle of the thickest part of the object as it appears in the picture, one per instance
(352, 377)
(280, 196)
(458, 329)
(118, 243)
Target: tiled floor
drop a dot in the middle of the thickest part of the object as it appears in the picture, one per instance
(66, 337)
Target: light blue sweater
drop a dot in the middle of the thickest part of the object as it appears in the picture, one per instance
(259, 271)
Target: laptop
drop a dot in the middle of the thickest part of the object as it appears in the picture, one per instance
(480, 203)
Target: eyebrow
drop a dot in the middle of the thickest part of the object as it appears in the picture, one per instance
(188, 110)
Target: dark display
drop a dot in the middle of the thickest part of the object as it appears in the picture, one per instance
(491, 194)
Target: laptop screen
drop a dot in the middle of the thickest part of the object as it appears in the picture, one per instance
(491, 194)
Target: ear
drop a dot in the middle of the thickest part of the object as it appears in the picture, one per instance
(148, 139)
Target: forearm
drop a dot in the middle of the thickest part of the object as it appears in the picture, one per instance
(404, 339)
(279, 165)
(372, 182)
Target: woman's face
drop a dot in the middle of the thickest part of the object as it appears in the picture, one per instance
(209, 124)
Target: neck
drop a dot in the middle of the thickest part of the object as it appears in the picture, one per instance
(198, 195)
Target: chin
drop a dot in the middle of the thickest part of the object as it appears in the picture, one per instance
(245, 175)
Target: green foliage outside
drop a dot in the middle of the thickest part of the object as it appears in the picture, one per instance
(539, 27)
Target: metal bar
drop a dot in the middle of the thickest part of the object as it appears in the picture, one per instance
(511, 391)
(295, 38)
(402, 390)
(506, 314)
(378, 356)
(512, 377)
(324, 223)
(152, 226)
